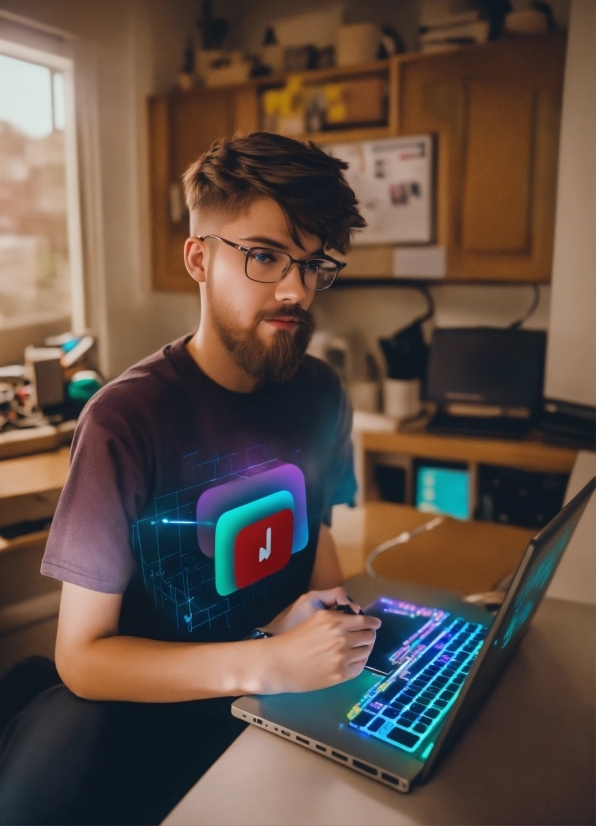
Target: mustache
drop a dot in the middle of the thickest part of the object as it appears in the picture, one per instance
(294, 313)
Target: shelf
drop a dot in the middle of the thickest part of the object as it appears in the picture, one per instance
(526, 454)
(311, 76)
(364, 133)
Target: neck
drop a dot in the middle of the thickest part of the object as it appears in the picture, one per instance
(214, 359)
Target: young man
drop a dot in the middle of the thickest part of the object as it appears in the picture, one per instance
(157, 611)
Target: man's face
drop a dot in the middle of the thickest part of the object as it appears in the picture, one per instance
(265, 327)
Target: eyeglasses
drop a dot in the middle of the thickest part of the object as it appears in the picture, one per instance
(269, 266)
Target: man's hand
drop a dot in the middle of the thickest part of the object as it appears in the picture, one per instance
(307, 606)
(327, 648)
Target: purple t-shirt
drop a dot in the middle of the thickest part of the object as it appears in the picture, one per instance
(145, 449)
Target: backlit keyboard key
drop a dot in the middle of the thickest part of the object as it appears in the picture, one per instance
(376, 724)
(404, 738)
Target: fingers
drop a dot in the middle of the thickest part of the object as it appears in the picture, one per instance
(358, 622)
(331, 597)
(358, 639)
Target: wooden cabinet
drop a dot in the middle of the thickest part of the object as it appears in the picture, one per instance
(182, 126)
(495, 112)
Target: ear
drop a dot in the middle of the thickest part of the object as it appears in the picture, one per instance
(196, 258)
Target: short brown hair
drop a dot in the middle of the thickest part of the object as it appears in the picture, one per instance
(307, 183)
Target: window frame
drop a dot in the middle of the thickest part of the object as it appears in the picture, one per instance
(73, 200)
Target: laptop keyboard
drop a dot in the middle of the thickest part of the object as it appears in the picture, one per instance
(403, 713)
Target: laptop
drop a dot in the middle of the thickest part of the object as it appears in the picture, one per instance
(433, 663)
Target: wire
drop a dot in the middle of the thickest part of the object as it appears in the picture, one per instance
(517, 324)
(403, 537)
(430, 310)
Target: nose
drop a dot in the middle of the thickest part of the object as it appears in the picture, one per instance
(290, 288)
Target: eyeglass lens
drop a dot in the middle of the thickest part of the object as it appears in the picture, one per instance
(270, 265)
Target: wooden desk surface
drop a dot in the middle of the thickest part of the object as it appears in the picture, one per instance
(30, 486)
(464, 557)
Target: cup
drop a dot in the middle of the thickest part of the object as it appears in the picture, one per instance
(401, 398)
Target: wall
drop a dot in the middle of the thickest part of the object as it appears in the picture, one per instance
(571, 358)
(126, 50)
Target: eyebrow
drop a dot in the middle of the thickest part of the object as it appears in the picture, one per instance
(271, 242)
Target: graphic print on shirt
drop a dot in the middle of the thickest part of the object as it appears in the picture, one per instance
(226, 512)
(209, 549)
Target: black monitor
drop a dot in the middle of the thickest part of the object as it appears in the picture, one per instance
(486, 366)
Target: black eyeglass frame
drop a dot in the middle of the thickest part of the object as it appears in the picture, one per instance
(301, 264)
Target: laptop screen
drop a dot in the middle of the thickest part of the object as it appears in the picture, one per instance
(531, 582)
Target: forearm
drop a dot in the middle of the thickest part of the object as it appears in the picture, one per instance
(141, 670)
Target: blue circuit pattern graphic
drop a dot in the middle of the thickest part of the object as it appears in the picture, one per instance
(179, 577)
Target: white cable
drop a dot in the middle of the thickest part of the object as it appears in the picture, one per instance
(404, 536)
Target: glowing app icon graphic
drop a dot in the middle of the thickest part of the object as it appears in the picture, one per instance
(254, 558)
(253, 541)
(222, 498)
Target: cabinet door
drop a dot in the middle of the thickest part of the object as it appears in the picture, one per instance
(496, 113)
(181, 127)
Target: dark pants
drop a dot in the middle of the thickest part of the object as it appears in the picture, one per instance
(67, 760)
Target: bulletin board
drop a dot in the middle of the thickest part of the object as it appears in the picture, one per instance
(393, 182)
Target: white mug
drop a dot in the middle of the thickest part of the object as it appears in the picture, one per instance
(401, 398)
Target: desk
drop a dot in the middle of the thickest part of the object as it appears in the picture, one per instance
(465, 557)
(528, 756)
(30, 487)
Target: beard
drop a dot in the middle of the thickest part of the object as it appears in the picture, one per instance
(273, 363)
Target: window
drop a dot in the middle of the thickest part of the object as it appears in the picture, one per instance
(40, 244)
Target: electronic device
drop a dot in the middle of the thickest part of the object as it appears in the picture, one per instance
(442, 487)
(519, 497)
(568, 424)
(485, 381)
(45, 373)
(433, 663)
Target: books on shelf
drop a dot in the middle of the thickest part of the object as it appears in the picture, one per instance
(448, 24)
(476, 32)
(434, 13)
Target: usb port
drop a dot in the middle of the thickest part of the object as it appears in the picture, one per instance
(287, 733)
(257, 720)
(358, 764)
(390, 778)
(339, 756)
(303, 740)
(321, 748)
